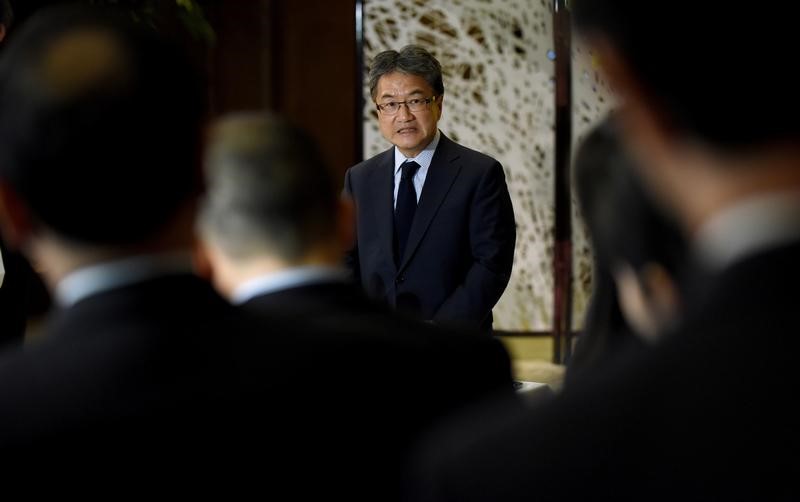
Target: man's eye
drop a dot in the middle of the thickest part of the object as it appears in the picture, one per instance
(391, 105)
(414, 102)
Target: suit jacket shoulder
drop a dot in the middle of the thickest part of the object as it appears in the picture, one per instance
(451, 149)
(368, 166)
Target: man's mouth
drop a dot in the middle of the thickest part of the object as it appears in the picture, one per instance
(407, 130)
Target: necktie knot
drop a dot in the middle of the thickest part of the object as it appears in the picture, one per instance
(409, 170)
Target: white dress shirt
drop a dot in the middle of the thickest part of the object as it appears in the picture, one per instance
(423, 159)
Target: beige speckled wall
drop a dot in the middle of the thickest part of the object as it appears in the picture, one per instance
(498, 69)
(592, 99)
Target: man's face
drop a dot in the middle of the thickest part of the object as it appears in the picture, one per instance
(410, 131)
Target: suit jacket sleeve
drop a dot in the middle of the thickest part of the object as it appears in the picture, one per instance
(351, 255)
(492, 233)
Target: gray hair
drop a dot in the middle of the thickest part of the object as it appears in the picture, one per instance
(268, 189)
(413, 60)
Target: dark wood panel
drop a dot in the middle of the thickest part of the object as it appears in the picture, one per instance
(317, 72)
(298, 58)
(239, 59)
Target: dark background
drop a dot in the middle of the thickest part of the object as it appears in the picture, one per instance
(298, 58)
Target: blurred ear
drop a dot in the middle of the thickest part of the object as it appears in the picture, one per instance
(346, 223)
(15, 218)
(201, 262)
(662, 292)
(211, 264)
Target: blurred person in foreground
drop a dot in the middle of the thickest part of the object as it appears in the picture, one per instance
(142, 370)
(273, 227)
(708, 413)
(639, 254)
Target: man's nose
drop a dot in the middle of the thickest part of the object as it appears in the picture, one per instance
(404, 113)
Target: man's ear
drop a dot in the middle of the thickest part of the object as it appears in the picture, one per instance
(201, 262)
(16, 222)
(661, 290)
(211, 264)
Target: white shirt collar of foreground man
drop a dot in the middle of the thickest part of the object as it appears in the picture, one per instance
(747, 227)
(286, 279)
(102, 277)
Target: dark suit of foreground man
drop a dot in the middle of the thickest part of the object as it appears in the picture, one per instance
(273, 228)
(144, 373)
(709, 413)
(450, 259)
(99, 131)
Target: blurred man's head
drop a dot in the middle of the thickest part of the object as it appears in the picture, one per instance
(100, 123)
(271, 201)
(713, 70)
(632, 239)
(708, 85)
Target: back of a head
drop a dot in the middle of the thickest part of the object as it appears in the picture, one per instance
(624, 222)
(718, 71)
(625, 229)
(100, 123)
(268, 189)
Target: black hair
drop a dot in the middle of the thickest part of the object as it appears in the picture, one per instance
(720, 72)
(625, 226)
(413, 60)
(102, 149)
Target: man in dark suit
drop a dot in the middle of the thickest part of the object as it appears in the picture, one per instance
(434, 223)
(143, 369)
(708, 413)
(273, 228)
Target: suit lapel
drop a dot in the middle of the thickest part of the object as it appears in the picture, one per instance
(382, 179)
(442, 173)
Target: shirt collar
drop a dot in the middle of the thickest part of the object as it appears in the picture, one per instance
(748, 227)
(424, 158)
(105, 276)
(286, 279)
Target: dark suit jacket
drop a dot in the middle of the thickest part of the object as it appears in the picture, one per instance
(21, 295)
(394, 378)
(710, 414)
(13, 298)
(461, 245)
(156, 382)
